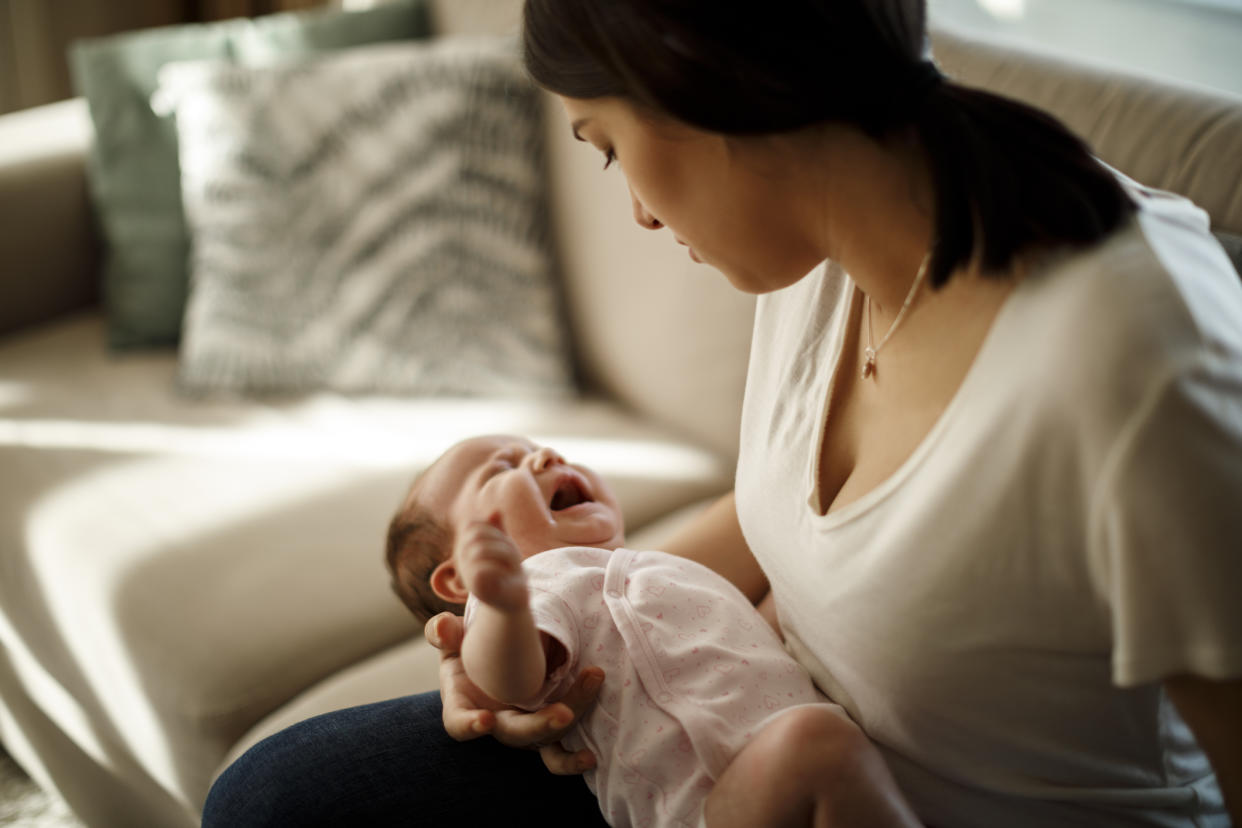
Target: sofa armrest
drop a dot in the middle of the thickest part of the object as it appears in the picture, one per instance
(49, 247)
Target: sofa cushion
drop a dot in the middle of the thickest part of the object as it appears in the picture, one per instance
(369, 221)
(134, 173)
(178, 570)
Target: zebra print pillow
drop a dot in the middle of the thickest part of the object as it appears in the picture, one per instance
(370, 221)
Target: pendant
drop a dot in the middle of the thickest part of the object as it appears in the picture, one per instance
(869, 365)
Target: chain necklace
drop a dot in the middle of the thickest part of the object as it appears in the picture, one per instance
(868, 370)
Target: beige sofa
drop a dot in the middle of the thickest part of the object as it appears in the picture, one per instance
(179, 578)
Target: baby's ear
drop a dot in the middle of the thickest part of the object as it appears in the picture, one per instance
(447, 584)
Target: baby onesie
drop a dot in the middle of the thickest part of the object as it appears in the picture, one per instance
(692, 672)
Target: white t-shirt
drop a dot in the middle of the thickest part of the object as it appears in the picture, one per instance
(997, 614)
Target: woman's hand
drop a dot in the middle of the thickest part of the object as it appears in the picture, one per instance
(470, 713)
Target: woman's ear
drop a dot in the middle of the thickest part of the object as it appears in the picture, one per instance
(447, 584)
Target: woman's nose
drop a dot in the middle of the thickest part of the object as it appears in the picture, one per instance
(543, 458)
(644, 218)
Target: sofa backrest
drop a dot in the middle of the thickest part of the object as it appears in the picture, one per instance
(1171, 136)
(49, 247)
(667, 337)
(671, 338)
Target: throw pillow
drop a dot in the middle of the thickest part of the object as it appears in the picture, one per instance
(133, 169)
(372, 221)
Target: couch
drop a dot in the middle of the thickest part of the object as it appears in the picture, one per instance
(180, 577)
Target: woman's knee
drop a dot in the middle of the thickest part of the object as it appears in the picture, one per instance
(263, 786)
(378, 764)
(306, 772)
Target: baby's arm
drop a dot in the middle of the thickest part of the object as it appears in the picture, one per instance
(502, 653)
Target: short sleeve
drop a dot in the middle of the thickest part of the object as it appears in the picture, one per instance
(554, 618)
(1167, 531)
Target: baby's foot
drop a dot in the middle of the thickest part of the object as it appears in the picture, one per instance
(491, 568)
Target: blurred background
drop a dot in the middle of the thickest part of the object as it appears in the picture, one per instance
(35, 33)
(1189, 41)
(1196, 41)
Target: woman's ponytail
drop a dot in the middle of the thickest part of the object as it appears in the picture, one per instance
(1008, 177)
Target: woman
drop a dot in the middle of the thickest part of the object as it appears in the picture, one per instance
(990, 453)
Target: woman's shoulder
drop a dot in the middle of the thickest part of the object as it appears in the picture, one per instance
(1107, 325)
(1161, 283)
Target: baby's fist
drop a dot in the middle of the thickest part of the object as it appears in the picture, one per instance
(491, 567)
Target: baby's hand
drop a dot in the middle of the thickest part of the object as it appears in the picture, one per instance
(491, 567)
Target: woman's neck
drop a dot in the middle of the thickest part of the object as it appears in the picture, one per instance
(872, 208)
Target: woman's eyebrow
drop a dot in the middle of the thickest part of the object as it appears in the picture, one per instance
(576, 125)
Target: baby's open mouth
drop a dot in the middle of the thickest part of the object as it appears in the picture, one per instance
(569, 492)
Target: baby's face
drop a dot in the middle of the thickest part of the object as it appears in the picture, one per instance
(543, 501)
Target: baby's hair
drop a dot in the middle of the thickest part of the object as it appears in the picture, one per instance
(417, 543)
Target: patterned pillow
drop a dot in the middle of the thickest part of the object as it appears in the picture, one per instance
(133, 161)
(372, 221)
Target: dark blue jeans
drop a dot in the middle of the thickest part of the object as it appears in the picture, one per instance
(389, 764)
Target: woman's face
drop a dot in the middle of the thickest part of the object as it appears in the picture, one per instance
(728, 200)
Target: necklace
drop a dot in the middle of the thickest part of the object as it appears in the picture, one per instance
(868, 370)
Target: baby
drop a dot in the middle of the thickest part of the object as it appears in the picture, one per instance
(529, 547)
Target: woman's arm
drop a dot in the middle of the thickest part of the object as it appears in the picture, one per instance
(1213, 709)
(715, 540)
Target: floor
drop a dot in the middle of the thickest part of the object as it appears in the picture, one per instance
(23, 804)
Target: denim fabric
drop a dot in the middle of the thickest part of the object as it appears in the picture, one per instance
(389, 764)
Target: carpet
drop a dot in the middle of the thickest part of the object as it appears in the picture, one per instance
(23, 803)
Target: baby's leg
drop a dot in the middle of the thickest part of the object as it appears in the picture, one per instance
(810, 767)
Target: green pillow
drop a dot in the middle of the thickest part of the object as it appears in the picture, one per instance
(134, 174)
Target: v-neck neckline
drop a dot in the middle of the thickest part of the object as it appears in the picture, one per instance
(835, 516)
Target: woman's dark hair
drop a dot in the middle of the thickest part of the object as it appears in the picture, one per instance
(1006, 176)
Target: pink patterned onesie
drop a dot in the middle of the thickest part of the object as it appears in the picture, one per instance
(692, 672)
